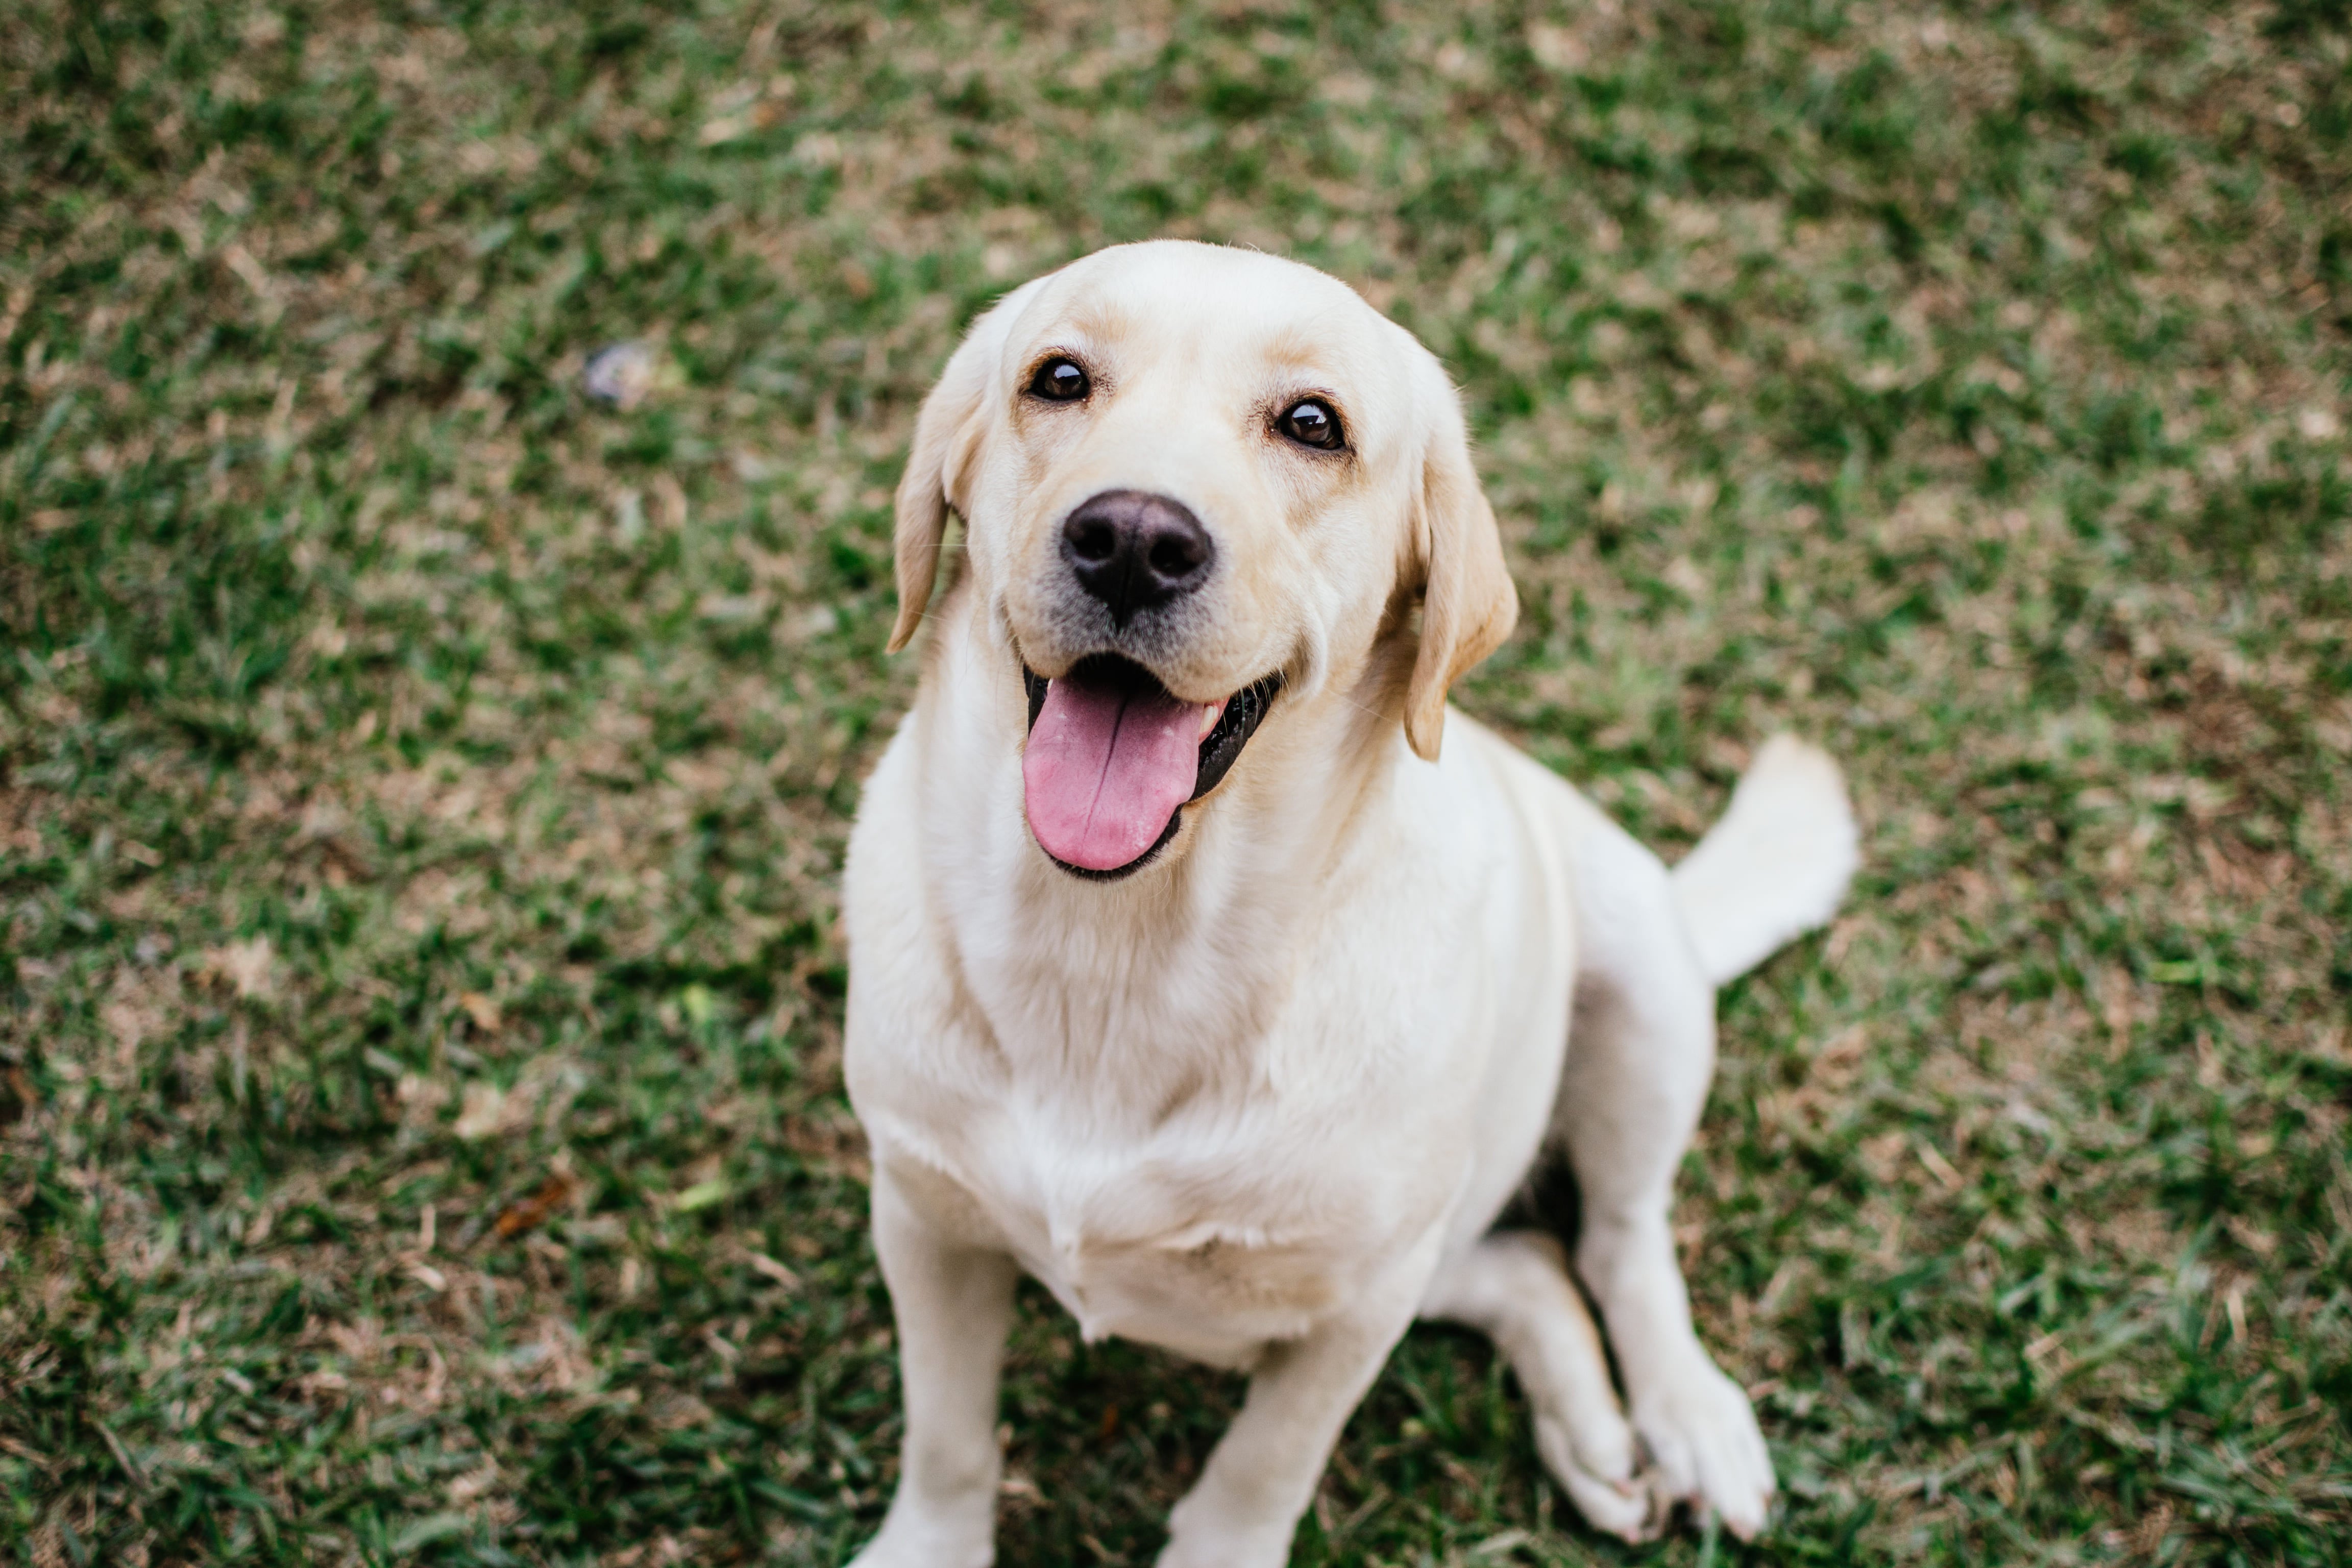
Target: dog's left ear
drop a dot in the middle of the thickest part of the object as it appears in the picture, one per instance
(948, 435)
(1468, 605)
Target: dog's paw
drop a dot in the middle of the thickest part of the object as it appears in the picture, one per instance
(1592, 1459)
(1263, 1548)
(910, 1538)
(1212, 1526)
(887, 1550)
(1706, 1448)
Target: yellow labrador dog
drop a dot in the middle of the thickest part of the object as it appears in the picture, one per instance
(1208, 968)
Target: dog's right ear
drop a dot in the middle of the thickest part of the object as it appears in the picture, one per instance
(948, 434)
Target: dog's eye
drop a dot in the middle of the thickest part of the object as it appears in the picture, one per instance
(1312, 423)
(1060, 381)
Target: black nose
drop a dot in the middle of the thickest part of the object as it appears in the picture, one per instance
(1135, 551)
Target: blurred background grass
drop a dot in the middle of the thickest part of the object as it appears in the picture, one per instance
(422, 789)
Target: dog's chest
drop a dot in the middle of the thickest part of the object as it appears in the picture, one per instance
(1210, 1242)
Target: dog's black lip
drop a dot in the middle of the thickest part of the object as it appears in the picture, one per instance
(1220, 749)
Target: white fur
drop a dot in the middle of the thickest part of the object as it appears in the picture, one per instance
(1261, 1101)
(1776, 864)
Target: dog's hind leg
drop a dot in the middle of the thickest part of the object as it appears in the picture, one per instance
(1514, 1287)
(1641, 1052)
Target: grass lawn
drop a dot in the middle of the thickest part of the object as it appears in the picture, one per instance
(422, 787)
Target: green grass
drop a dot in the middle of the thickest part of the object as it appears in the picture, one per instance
(422, 790)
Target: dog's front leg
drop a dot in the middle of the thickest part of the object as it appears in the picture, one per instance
(1263, 1474)
(955, 1305)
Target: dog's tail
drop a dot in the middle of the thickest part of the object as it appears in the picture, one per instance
(1776, 864)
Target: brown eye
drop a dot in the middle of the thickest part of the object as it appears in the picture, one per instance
(1060, 381)
(1312, 423)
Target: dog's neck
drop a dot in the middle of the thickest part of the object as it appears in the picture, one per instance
(1144, 993)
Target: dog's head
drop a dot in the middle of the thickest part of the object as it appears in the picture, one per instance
(1199, 485)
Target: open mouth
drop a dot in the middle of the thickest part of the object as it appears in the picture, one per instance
(1114, 758)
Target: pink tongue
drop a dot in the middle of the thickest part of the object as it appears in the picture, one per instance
(1106, 769)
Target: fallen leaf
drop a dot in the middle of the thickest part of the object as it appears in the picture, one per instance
(535, 1210)
(15, 1094)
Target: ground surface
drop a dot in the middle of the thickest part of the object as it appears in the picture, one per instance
(422, 790)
